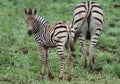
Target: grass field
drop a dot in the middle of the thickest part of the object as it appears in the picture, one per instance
(19, 58)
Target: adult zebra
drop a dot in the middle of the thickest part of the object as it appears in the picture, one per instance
(88, 23)
(47, 36)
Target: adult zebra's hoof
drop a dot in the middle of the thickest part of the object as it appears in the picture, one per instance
(85, 64)
(42, 76)
(91, 67)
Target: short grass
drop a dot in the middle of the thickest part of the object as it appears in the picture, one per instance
(19, 56)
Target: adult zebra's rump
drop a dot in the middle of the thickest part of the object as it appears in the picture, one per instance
(88, 23)
(47, 36)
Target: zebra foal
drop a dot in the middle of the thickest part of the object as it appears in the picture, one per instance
(57, 35)
(88, 23)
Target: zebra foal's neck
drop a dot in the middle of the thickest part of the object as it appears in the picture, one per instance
(40, 25)
(40, 19)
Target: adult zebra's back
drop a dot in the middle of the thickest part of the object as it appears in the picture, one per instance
(47, 36)
(88, 23)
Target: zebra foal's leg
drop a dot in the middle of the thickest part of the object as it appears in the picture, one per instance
(84, 51)
(62, 59)
(70, 59)
(42, 60)
(48, 66)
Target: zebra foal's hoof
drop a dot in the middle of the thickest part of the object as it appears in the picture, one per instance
(69, 79)
(60, 78)
(50, 76)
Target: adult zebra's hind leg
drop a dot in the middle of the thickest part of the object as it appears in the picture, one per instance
(84, 51)
(91, 51)
(91, 54)
(50, 76)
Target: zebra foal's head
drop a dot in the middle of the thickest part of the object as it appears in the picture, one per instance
(30, 18)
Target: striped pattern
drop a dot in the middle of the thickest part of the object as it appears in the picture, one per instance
(57, 35)
(88, 23)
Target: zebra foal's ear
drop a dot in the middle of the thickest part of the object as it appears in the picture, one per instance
(34, 11)
(26, 10)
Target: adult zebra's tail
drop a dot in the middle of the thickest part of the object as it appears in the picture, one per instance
(88, 9)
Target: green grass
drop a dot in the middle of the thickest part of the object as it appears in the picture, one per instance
(19, 56)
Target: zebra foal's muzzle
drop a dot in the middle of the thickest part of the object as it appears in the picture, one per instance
(30, 29)
(30, 32)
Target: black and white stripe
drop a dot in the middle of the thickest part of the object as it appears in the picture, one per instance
(88, 23)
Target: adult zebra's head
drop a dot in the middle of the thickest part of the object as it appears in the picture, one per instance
(30, 20)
